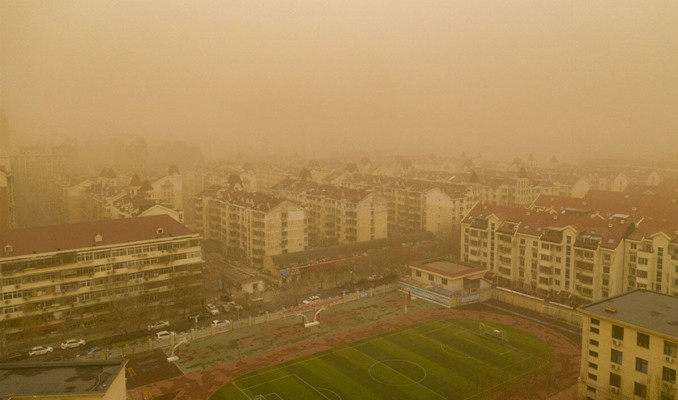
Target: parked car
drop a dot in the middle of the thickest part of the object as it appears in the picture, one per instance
(71, 343)
(163, 335)
(158, 325)
(311, 299)
(40, 350)
(221, 323)
(212, 309)
(12, 357)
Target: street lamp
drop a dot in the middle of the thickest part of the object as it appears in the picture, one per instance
(172, 357)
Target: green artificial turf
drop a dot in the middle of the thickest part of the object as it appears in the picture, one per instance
(444, 359)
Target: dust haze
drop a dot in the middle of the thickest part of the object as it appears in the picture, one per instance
(565, 78)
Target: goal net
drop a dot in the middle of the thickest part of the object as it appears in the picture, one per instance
(492, 332)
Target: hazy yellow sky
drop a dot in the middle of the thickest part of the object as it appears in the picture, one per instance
(507, 78)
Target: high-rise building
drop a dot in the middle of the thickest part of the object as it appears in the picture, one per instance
(6, 195)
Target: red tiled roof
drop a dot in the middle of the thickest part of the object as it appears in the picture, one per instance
(48, 239)
(650, 227)
(536, 223)
(330, 191)
(253, 200)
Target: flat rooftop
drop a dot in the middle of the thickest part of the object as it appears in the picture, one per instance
(653, 311)
(448, 268)
(58, 378)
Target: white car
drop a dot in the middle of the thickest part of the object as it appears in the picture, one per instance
(158, 325)
(40, 350)
(163, 335)
(221, 323)
(311, 299)
(212, 309)
(71, 343)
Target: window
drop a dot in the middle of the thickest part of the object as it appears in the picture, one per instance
(669, 375)
(430, 277)
(594, 330)
(418, 274)
(593, 365)
(444, 281)
(641, 365)
(639, 390)
(615, 380)
(595, 321)
(643, 340)
(593, 377)
(670, 348)
(616, 356)
(593, 342)
(593, 353)
(617, 332)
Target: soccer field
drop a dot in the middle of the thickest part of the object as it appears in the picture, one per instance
(444, 359)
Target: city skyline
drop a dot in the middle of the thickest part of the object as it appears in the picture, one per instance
(574, 80)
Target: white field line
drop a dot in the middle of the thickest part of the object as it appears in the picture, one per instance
(326, 353)
(268, 381)
(241, 391)
(399, 373)
(312, 387)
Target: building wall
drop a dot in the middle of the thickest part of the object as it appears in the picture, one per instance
(602, 367)
(652, 264)
(117, 390)
(544, 265)
(248, 232)
(371, 219)
(443, 211)
(117, 287)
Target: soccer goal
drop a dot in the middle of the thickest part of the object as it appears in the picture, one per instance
(493, 333)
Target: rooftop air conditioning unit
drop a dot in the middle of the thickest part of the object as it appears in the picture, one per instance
(669, 359)
(614, 389)
(616, 367)
(616, 342)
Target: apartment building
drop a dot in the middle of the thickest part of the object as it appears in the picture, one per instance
(407, 201)
(651, 256)
(6, 195)
(629, 347)
(518, 190)
(564, 256)
(445, 207)
(338, 215)
(109, 196)
(249, 225)
(116, 274)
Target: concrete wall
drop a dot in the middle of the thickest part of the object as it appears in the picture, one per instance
(547, 309)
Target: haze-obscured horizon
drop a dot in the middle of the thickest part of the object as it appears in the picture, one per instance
(564, 78)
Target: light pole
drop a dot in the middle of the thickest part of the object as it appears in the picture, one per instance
(172, 357)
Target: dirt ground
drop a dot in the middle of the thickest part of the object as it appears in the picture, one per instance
(271, 345)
